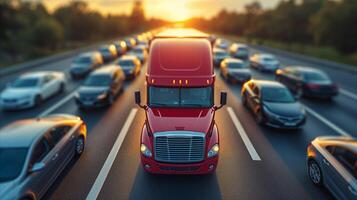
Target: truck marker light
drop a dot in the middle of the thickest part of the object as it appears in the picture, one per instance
(173, 82)
(152, 81)
(180, 82)
(207, 81)
(186, 82)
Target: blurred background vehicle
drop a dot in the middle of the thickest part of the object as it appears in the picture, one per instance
(264, 62)
(130, 43)
(140, 52)
(235, 70)
(238, 50)
(30, 89)
(120, 47)
(85, 63)
(219, 55)
(33, 152)
(131, 66)
(307, 81)
(221, 43)
(332, 162)
(109, 52)
(272, 104)
(101, 87)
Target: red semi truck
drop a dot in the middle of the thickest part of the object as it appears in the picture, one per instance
(180, 135)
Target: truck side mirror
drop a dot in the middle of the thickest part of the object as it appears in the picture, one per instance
(223, 100)
(138, 99)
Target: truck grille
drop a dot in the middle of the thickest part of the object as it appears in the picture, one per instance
(179, 147)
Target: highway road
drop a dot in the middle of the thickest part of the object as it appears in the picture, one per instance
(255, 162)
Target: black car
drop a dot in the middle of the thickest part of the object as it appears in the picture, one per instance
(101, 87)
(273, 104)
(306, 81)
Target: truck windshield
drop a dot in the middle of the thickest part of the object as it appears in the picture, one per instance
(181, 97)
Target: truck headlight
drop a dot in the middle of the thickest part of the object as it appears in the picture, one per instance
(213, 151)
(145, 151)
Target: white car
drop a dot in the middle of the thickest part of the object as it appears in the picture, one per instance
(264, 62)
(30, 89)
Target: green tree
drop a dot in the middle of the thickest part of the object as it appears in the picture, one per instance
(137, 17)
(47, 33)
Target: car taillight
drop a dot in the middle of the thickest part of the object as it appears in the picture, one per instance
(312, 86)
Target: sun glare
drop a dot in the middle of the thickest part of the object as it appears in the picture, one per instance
(179, 11)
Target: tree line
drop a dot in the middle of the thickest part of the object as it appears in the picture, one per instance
(28, 29)
(317, 22)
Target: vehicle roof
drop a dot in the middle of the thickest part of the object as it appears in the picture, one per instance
(38, 74)
(88, 54)
(240, 45)
(265, 55)
(180, 58)
(234, 60)
(181, 33)
(267, 83)
(108, 69)
(219, 50)
(22, 133)
(128, 57)
(346, 142)
(141, 47)
(306, 69)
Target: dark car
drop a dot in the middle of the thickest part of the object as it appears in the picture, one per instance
(306, 81)
(240, 51)
(264, 62)
(219, 55)
(33, 153)
(131, 65)
(85, 63)
(130, 43)
(109, 52)
(120, 47)
(235, 70)
(273, 104)
(332, 162)
(101, 87)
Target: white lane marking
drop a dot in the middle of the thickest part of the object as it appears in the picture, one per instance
(57, 105)
(348, 93)
(102, 176)
(253, 153)
(327, 122)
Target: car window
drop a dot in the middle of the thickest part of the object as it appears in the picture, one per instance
(58, 133)
(47, 78)
(256, 91)
(40, 151)
(347, 159)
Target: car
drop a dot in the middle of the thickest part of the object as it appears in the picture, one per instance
(273, 104)
(219, 55)
(130, 43)
(332, 162)
(140, 52)
(307, 81)
(221, 44)
(235, 70)
(264, 62)
(240, 51)
(30, 89)
(33, 153)
(85, 63)
(109, 52)
(144, 43)
(120, 47)
(101, 87)
(131, 65)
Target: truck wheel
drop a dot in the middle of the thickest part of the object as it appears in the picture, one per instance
(314, 172)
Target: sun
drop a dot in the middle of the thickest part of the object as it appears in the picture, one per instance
(179, 12)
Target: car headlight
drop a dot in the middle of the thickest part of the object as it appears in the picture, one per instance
(213, 151)
(102, 96)
(145, 151)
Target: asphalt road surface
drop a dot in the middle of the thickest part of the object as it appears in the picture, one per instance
(255, 162)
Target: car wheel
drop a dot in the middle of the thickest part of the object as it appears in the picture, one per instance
(38, 100)
(314, 172)
(259, 117)
(79, 148)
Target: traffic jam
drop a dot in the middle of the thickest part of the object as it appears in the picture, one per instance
(176, 112)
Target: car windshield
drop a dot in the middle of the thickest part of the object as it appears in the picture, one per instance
(97, 80)
(269, 59)
(11, 163)
(83, 59)
(181, 97)
(278, 95)
(25, 82)
(315, 76)
(126, 63)
(236, 65)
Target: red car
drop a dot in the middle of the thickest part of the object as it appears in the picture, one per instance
(179, 135)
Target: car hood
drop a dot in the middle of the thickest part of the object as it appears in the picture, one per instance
(172, 119)
(92, 90)
(18, 92)
(285, 109)
(6, 187)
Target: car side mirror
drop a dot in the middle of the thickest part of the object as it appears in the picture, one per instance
(223, 100)
(37, 167)
(138, 99)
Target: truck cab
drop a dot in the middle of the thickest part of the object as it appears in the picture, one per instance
(179, 135)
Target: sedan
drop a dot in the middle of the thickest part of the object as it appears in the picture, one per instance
(235, 70)
(332, 162)
(34, 152)
(273, 104)
(131, 66)
(239, 51)
(219, 55)
(101, 87)
(109, 52)
(85, 63)
(306, 81)
(120, 47)
(264, 62)
(31, 89)
(221, 44)
(130, 42)
(140, 52)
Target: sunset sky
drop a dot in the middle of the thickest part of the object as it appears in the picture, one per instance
(173, 10)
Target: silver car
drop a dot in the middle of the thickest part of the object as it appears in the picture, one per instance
(332, 162)
(33, 153)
